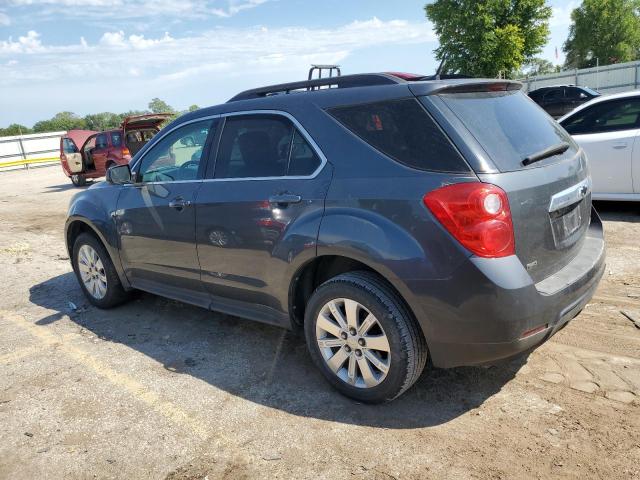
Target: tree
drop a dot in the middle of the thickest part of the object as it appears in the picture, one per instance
(60, 121)
(193, 108)
(14, 129)
(489, 37)
(539, 66)
(103, 121)
(604, 31)
(160, 106)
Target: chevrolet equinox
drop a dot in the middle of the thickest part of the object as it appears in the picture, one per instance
(391, 218)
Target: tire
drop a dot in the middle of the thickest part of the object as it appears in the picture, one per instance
(78, 180)
(407, 348)
(104, 290)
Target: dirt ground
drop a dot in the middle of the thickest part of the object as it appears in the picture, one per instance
(158, 389)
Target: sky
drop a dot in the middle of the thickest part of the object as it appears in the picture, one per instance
(89, 56)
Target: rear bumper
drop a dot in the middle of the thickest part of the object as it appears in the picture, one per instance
(490, 304)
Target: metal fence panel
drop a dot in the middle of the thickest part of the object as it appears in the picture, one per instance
(620, 77)
(23, 150)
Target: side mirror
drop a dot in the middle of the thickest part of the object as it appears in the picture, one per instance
(119, 174)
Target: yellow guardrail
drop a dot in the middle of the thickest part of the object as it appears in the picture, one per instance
(28, 161)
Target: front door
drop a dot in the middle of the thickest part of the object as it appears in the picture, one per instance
(156, 215)
(607, 131)
(259, 215)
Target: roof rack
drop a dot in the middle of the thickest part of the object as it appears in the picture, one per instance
(346, 81)
(320, 68)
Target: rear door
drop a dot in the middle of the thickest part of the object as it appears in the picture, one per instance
(607, 131)
(259, 212)
(100, 152)
(70, 154)
(554, 102)
(155, 218)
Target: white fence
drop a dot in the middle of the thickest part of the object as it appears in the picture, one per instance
(21, 151)
(621, 77)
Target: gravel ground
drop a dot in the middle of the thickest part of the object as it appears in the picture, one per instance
(159, 389)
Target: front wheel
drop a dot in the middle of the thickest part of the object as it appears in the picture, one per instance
(363, 339)
(78, 180)
(95, 272)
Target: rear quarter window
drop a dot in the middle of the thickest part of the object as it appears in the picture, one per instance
(403, 130)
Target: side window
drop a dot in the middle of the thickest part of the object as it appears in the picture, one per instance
(116, 139)
(68, 146)
(404, 131)
(303, 160)
(605, 117)
(101, 141)
(177, 156)
(554, 95)
(254, 146)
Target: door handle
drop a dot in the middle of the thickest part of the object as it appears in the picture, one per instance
(620, 146)
(285, 199)
(179, 203)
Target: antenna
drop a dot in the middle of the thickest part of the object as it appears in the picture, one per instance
(441, 67)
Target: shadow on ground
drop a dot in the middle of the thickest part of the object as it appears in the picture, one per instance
(618, 211)
(261, 363)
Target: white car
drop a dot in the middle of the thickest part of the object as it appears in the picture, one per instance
(608, 129)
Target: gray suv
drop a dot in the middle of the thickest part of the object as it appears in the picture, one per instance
(392, 219)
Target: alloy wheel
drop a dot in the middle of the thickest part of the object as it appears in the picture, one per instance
(92, 272)
(353, 343)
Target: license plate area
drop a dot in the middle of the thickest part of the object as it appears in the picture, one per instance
(567, 223)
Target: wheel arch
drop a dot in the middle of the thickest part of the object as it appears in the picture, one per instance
(318, 270)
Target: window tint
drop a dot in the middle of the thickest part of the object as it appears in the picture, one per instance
(404, 131)
(254, 146)
(101, 141)
(304, 160)
(554, 95)
(68, 146)
(116, 139)
(602, 117)
(508, 125)
(177, 156)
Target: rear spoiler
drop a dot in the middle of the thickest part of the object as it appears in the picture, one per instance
(464, 86)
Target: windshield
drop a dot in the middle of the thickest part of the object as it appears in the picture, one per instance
(508, 125)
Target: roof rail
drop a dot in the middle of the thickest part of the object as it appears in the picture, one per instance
(346, 81)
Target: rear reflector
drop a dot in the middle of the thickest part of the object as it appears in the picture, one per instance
(533, 331)
(477, 215)
(125, 151)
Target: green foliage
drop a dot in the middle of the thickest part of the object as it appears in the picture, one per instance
(193, 108)
(60, 121)
(607, 31)
(538, 66)
(160, 106)
(95, 121)
(103, 121)
(14, 129)
(488, 38)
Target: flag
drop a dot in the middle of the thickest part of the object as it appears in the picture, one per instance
(556, 53)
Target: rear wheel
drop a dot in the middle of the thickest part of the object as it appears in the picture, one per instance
(96, 274)
(363, 339)
(78, 180)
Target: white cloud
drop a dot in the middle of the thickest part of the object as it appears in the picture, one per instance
(148, 9)
(4, 19)
(113, 39)
(139, 42)
(561, 16)
(30, 43)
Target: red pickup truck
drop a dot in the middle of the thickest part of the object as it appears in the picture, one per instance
(89, 154)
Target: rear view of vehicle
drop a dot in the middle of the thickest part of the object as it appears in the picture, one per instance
(506, 248)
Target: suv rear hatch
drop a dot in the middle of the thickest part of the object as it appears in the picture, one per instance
(139, 129)
(537, 164)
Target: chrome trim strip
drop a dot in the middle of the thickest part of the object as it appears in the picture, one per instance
(570, 195)
(296, 123)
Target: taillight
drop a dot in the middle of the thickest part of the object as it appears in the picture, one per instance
(125, 151)
(477, 215)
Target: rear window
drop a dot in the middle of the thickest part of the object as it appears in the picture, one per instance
(508, 125)
(404, 131)
(116, 139)
(68, 146)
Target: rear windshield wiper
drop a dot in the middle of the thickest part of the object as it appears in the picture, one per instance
(546, 153)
